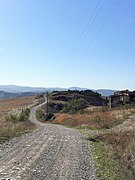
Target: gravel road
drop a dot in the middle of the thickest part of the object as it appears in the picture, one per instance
(51, 152)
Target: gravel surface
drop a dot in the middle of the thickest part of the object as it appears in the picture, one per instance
(51, 152)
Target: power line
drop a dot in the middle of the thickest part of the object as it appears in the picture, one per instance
(101, 28)
(99, 31)
(85, 30)
(94, 19)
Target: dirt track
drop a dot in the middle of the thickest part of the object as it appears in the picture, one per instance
(50, 152)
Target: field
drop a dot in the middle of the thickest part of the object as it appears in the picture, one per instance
(112, 134)
(96, 120)
(110, 131)
(14, 106)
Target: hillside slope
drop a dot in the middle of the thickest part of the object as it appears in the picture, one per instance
(18, 89)
(9, 95)
(91, 97)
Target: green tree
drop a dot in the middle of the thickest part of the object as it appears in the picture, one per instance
(75, 105)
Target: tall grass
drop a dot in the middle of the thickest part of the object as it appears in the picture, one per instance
(114, 149)
(97, 120)
(9, 130)
(116, 154)
(15, 123)
(23, 116)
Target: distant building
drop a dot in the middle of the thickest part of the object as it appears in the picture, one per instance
(121, 98)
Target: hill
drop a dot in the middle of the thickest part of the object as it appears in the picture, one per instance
(18, 89)
(105, 92)
(93, 98)
(9, 95)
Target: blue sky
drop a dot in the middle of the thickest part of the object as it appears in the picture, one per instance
(64, 43)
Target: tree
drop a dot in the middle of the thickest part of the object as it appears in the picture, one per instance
(75, 105)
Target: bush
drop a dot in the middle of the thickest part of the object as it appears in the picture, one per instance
(39, 96)
(23, 116)
(41, 116)
(12, 118)
(26, 112)
(50, 116)
(74, 106)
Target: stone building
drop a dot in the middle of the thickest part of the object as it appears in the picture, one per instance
(121, 98)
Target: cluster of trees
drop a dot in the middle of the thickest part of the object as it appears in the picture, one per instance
(42, 116)
(56, 106)
(75, 105)
(86, 93)
(81, 92)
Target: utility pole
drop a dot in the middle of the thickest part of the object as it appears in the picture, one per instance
(110, 102)
(47, 109)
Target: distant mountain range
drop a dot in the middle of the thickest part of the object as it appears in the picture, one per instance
(13, 91)
(9, 95)
(16, 89)
(103, 92)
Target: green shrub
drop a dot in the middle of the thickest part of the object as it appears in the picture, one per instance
(26, 111)
(12, 118)
(41, 116)
(23, 116)
(49, 116)
(74, 106)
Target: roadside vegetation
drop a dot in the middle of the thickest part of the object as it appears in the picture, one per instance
(14, 115)
(43, 117)
(97, 120)
(93, 98)
(74, 106)
(114, 147)
(115, 154)
(110, 131)
(15, 118)
(40, 98)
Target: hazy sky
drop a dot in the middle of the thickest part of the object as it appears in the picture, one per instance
(86, 43)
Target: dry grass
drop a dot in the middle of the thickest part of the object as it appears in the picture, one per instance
(8, 105)
(132, 110)
(97, 120)
(9, 129)
(114, 145)
(115, 153)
